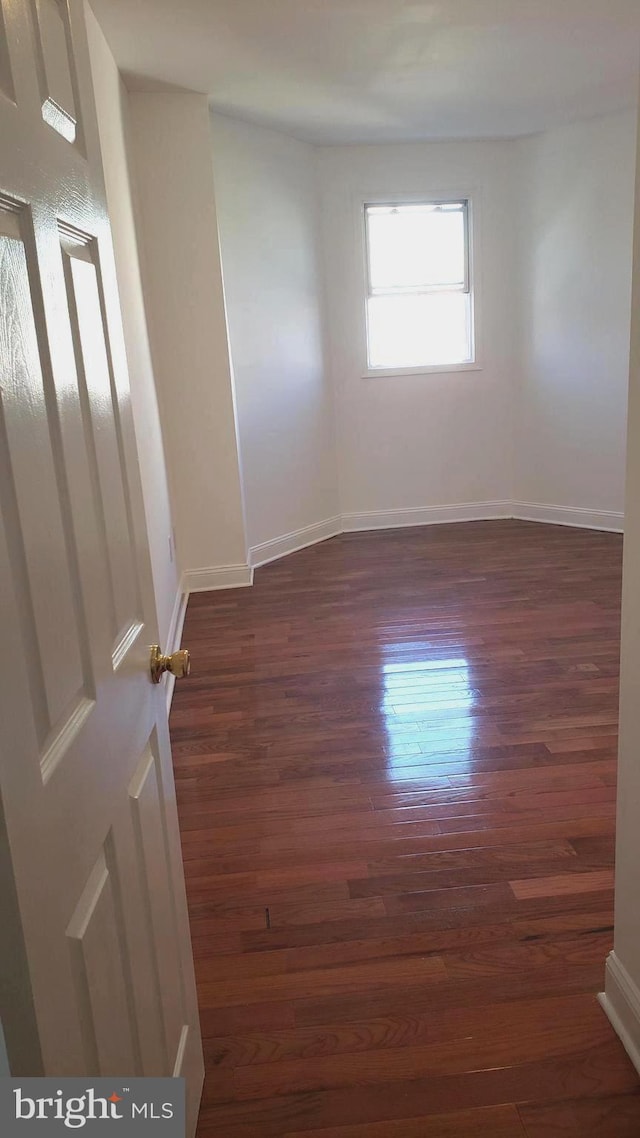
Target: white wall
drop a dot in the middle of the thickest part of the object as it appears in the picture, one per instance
(575, 255)
(171, 150)
(111, 106)
(543, 419)
(268, 218)
(429, 440)
(622, 999)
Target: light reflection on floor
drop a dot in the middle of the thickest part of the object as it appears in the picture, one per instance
(427, 703)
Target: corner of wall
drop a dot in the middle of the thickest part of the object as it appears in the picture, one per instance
(183, 286)
(621, 1003)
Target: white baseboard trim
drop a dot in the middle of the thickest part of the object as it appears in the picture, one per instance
(238, 576)
(216, 577)
(425, 515)
(576, 516)
(292, 542)
(174, 637)
(621, 1002)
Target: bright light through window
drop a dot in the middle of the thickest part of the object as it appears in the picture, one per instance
(419, 308)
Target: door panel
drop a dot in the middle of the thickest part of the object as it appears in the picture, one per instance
(104, 438)
(54, 61)
(6, 77)
(60, 698)
(154, 857)
(98, 953)
(86, 782)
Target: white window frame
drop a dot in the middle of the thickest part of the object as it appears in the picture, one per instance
(472, 219)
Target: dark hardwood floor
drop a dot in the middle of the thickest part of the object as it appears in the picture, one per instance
(395, 764)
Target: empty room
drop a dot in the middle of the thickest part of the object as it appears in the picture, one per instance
(320, 564)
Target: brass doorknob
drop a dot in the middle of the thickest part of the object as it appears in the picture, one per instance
(178, 663)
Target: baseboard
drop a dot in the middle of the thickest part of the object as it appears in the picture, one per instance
(621, 1002)
(425, 515)
(216, 577)
(238, 576)
(576, 516)
(292, 542)
(174, 637)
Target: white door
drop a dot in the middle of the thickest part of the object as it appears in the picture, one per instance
(95, 932)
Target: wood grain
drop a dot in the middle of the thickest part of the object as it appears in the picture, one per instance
(563, 883)
(607, 1116)
(488, 1122)
(395, 766)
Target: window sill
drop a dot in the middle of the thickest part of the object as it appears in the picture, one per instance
(425, 369)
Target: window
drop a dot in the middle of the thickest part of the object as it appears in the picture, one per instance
(419, 296)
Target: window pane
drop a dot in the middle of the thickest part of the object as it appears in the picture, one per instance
(416, 246)
(424, 329)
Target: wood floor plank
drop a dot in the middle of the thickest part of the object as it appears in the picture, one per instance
(376, 975)
(549, 980)
(608, 1116)
(395, 767)
(239, 1018)
(421, 918)
(414, 879)
(487, 1122)
(564, 883)
(492, 1024)
(603, 1070)
(277, 961)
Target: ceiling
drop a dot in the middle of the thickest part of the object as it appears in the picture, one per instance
(338, 71)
